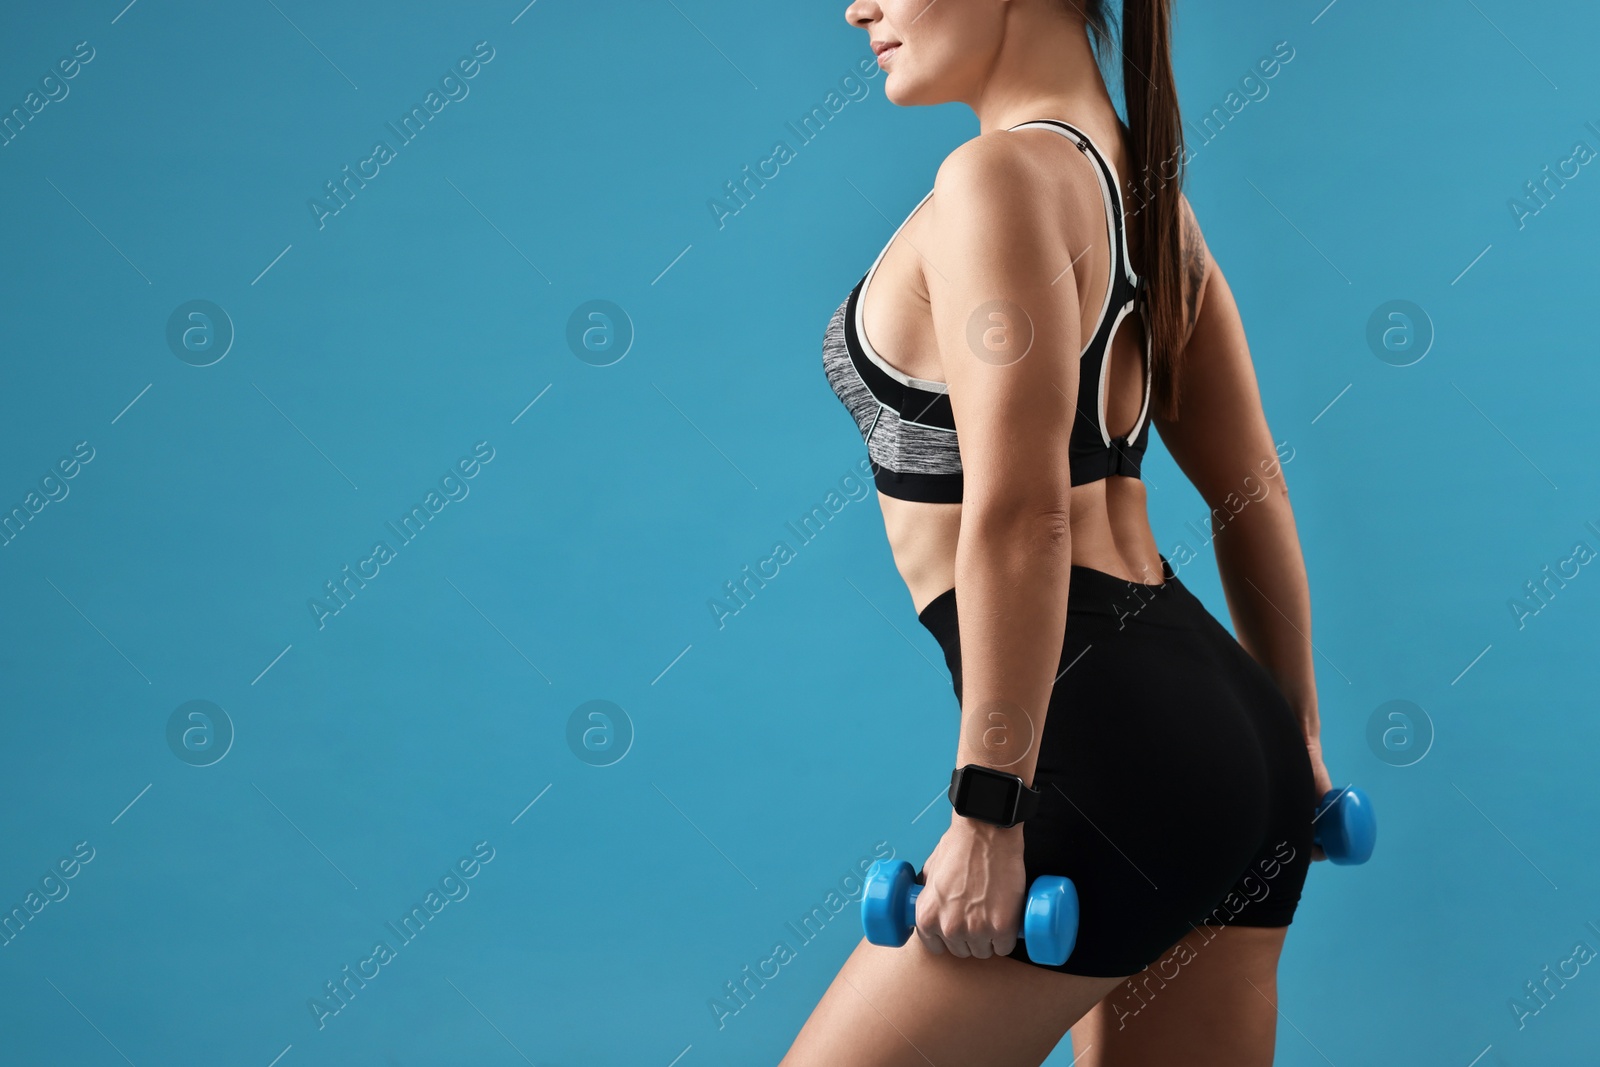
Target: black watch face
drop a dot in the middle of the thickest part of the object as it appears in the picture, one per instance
(987, 796)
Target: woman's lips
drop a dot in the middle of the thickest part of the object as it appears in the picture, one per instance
(883, 56)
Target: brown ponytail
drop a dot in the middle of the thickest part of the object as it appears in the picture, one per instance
(1155, 164)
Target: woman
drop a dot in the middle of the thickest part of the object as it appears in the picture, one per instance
(1168, 769)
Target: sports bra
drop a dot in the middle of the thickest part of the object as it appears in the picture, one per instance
(907, 422)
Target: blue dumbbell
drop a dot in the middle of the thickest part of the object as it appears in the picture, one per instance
(1346, 826)
(1049, 919)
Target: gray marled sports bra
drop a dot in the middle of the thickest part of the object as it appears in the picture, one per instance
(907, 422)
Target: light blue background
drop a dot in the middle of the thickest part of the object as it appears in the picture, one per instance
(769, 755)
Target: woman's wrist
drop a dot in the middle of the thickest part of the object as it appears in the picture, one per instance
(1305, 713)
(978, 830)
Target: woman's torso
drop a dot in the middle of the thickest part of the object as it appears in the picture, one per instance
(1109, 523)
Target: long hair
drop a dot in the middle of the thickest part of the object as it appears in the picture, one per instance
(1155, 157)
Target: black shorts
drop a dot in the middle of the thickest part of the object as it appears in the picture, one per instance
(1176, 788)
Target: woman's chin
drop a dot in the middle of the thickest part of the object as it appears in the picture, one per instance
(909, 94)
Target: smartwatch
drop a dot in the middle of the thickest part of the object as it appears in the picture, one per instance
(988, 795)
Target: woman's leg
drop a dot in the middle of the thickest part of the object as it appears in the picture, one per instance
(906, 1006)
(1209, 1002)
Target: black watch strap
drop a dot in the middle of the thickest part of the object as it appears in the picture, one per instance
(992, 796)
(1027, 802)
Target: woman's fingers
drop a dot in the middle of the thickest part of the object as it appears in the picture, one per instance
(1322, 784)
(926, 921)
(971, 900)
(943, 927)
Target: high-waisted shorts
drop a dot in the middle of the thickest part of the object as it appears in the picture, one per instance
(1176, 787)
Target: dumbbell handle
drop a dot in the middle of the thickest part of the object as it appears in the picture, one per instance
(916, 891)
(1050, 911)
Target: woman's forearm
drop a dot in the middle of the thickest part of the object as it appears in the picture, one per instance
(1012, 570)
(1263, 575)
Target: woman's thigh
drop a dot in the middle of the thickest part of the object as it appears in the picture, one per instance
(1211, 1001)
(894, 1006)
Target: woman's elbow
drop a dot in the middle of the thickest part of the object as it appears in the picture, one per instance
(1041, 520)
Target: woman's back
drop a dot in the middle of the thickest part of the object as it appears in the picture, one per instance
(1110, 528)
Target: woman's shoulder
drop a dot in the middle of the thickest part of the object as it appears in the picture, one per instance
(1010, 172)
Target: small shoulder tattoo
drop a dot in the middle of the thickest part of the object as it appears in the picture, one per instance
(1196, 264)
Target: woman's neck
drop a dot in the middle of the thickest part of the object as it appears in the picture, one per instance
(1045, 68)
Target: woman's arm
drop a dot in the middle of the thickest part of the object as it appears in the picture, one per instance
(1221, 442)
(1005, 310)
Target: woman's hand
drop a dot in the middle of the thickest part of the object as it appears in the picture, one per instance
(971, 902)
(1324, 782)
